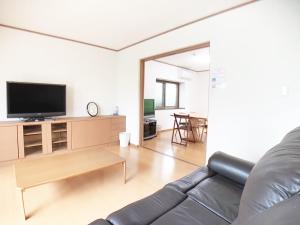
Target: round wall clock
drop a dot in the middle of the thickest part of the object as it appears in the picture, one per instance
(92, 109)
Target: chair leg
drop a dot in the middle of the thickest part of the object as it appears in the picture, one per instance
(172, 141)
(176, 130)
(189, 129)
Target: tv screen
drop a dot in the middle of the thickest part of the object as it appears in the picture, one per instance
(35, 100)
(149, 109)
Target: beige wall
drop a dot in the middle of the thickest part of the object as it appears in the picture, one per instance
(257, 47)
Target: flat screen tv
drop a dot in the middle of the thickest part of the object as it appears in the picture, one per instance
(149, 109)
(34, 100)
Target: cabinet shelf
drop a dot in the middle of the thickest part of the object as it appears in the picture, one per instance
(32, 130)
(33, 144)
(33, 133)
(33, 151)
(59, 147)
(59, 130)
(59, 140)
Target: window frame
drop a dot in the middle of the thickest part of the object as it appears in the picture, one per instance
(164, 82)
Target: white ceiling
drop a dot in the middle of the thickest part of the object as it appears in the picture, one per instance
(197, 60)
(113, 24)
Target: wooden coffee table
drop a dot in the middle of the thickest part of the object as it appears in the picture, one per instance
(33, 172)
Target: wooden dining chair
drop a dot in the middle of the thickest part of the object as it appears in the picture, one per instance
(183, 127)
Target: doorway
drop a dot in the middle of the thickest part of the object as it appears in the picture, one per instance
(176, 82)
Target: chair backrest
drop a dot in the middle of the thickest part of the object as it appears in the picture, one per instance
(181, 116)
(182, 119)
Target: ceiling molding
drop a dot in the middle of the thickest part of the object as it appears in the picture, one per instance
(201, 71)
(189, 23)
(57, 37)
(136, 43)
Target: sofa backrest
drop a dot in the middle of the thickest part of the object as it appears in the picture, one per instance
(275, 178)
(283, 213)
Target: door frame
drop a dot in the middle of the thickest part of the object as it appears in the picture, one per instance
(142, 79)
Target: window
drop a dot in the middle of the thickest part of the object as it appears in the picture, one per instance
(166, 95)
(159, 90)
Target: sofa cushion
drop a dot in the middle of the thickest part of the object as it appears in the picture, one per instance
(189, 212)
(220, 195)
(276, 177)
(148, 209)
(186, 183)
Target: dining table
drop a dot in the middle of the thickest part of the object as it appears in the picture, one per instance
(194, 116)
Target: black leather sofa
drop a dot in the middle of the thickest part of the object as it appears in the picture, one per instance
(228, 191)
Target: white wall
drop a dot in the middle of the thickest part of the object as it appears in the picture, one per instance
(199, 94)
(87, 71)
(258, 49)
(193, 90)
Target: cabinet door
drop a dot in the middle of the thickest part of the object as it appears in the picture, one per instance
(91, 132)
(8, 143)
(118, 125)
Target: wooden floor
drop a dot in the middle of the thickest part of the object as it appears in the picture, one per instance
(79, 200)
(194, 153)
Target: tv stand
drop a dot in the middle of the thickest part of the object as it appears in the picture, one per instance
(34, 119)
(30, 139)
(149, 128)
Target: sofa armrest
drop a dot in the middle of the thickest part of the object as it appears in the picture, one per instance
(231, 167)
(188, 182)
(100, 222)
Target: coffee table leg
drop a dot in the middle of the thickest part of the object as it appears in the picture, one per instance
(124, 169)
(21, 197)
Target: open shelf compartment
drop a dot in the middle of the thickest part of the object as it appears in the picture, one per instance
(59, 127)
(32, 150)
(59, 136)
(32, 130)
(33, 141)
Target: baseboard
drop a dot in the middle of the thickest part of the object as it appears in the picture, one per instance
(134, 145)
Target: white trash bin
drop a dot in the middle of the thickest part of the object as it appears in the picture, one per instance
(124, 138)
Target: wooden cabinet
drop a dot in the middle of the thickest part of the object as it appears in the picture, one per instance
(8, 142)
(118, 125)
(97, 131)
(23, 139)
(88, 133)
